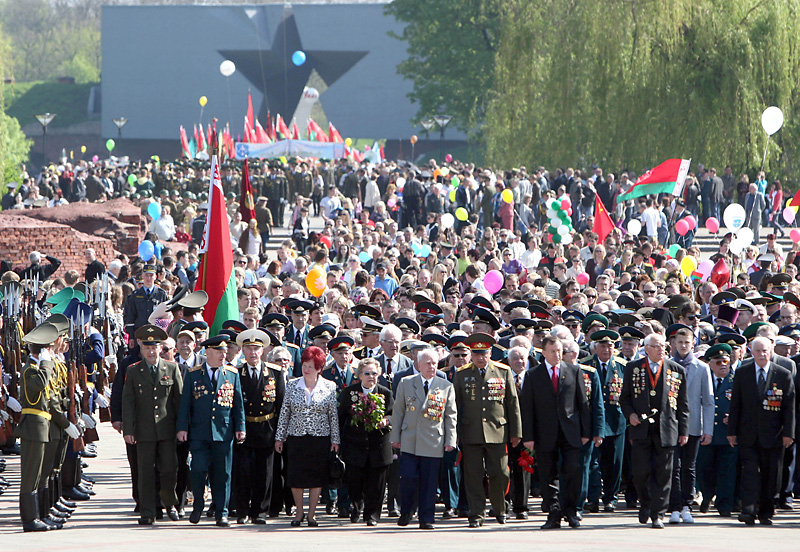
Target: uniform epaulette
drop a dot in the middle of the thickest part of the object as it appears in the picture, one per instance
(499, 347)
(359, 348)
(467, 366)
(230, 368)
(196, 368)
(620, 360)
(587, 368)
(292, 345)
(537, 349)
(501, 365)
(274, 366)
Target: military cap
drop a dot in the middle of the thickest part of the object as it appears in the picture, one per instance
(790, 330)
(435, 339)
(60, 321)
(730, 338)
(413, 345)
(723, 297)
(300, 306)
(738, 292)
(149, 269)
(233, 334)
(729, 313)
(43, 334)
(196, 326)
(676, 301)
(479, 341)
(630, 319)
(675, 328)
(193, 300)
(452, 327)
(481, 301)
(457, 342)
(485, 316)
(217, 342)
(572, 315)
(663, 316)
(323, 331)
(720, 350)
(341, 342)
(772, 298)
(370, 325)
(539, 312)
(514, 304)
(761, 300)
(368, 311)
(428, 307)
(780, 278)
(593, 319)
(315, 306)
(273, 339)
(628, 302)
(275, 319)
(629, 332)
(750, 332)
(537, 302)
(790, 297)
(252, 337)
(784, 340)
(627, 286)
(522, 324)
(437, 320)
(605, 336)
(407, 324)
(542, 326)
(745, 305)
(150, 334)
(65, 295)
(446, 245)
(234, 325)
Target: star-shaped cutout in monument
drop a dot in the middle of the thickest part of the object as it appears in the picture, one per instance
(281, 81)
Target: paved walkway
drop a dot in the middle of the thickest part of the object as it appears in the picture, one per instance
(107, 522)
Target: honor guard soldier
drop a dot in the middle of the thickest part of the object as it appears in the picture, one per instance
(140, 304)
(488, 418)
(150, 402)
(211, 414)
(263, 387)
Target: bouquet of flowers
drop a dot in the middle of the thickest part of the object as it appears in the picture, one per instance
(368, 410)
(526, 460)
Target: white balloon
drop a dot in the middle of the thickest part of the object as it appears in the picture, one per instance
(227, 68)
(634, 227)
(566, 240)
(772, 120)
(551, 213)
(733, 217)
(401, 182)
(448, 220)
(736, 246)
(549, 203)
(556, 222)
(745, 236)
(563, 229)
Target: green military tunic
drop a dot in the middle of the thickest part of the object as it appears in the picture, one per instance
(34, 424)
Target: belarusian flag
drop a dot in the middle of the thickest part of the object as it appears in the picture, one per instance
(215, 276)
(667, 178)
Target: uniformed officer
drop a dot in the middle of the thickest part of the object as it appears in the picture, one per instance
(716, 462)
(276, 323)
(451, 481)
(140, 304)
(211, 412)
(263, 387)
(370, 339)
(484, 321)
(150, 402)
(592, 323)
(298, 333)
(488, 418)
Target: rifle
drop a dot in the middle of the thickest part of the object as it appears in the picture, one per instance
(89, 435)
(11, 338)
(72, 374)
(29, 310)
(102, 322)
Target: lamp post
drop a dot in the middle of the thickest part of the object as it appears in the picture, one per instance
(45, 120)
(427, 124)
(442, 121)
(120, 122)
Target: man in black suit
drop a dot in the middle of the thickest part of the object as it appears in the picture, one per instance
(656, 403)
(390, 359)
(762, 423)
(556, 387)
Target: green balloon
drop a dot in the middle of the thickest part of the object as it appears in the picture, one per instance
(132, 179)
(552, 230)
(110, 144)
(556, 238)
(563, 216)
(673, 249)
(455, 181)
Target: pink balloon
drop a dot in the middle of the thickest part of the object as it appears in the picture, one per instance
(448, 158)
(795, 235)
(391, 203)
(712, 225)
(788, 215)
(493, 281)
(569, 211)
(691, 221)
(681, 227)
(95, 159)
(566, 203)
(705, 268)
(582, 278)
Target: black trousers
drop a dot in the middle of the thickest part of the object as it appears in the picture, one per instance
(367, 485)
(392, 486)
(652, 473)
(520, 486)
(253, 490)
(133, 462)
(567, 472)
(281, 492)
(761, 473)
(182, 478)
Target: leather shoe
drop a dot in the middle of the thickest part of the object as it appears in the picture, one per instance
(404, 520)
(592, 507)
(552, 523)
(86, 490)
(223, 522)
(765, 521)
(394, 513)
(704, 506)
(747, 519)
(579, 516)
(501, 519)
(36, 526)
(609, 507)
(424, 525)
(449, 513)
(573, 521)
(212, 510)
(522, 515)
(462, 513)
(658, 524)
(724, 513)
(243, 520)
(371, 522)
(195, 516)
(343, 514)
(477, 522)
(145, 521)
(88, 454)
(331, 509)
(260, 519)
(172, 513)
(644, 516)
(68, 503)
(354, 515)
(73, 493)
(63, 509)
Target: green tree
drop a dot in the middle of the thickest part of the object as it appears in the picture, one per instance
(451, 52)
(14, 146)
(633, 82)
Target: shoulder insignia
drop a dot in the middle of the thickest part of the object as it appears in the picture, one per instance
(588, 368)
(621, 361)
(196, 368)
(230, 368)
(273, 366)
(501, 366)
(465, 367)
(291, 345)
(499, 347)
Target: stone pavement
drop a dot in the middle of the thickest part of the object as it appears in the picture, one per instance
(107, 522)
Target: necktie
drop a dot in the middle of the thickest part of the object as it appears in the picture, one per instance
(516, 380)
(603, 370)
(253, 373)
(369, 353)
(762, 381)
(555, 379)
(297, 337)
(214, 375)
(389, 366)
(153, 370)
(425, 385)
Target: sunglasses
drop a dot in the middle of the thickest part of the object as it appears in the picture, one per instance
(691, 317)
(241, 262)
(459, 355)
(592, 296)
(648, 291)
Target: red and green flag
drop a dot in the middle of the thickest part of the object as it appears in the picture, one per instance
(247, 204)
(666, 178)
(215, 275)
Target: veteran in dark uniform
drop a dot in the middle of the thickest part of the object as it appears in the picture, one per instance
(488, 418)
(275, 323)
(484, 321)
(150, 401)
(140, 304)
(211, 413)
(263, 387)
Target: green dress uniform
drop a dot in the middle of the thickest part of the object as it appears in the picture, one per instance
(150, 402)
(488, 417)
(56, 449)
(594, 396)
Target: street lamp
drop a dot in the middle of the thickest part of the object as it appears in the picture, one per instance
(120, 122)
(427, 124)
(45, 120)
(442, 121)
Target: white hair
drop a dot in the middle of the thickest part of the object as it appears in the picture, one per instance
(35, 256)
(561, 332)
(520, 341)
(570, 345)
(651, 338)
(390, 330)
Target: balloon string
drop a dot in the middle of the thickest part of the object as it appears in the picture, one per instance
(764, 159)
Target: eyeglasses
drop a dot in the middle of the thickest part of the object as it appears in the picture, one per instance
(592, 296)
(459, 355)
(390, 341)
(691, 317)
(372, 374)
(283, 360)
(648, 291)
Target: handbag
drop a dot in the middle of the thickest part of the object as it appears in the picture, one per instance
(335, 469)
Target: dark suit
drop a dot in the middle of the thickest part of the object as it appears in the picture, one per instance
(401, 366)
(652, 443)
(366, 454)
(760, 420)
(556, 422)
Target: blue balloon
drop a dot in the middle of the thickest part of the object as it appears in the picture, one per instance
(364, 257)
(154, 210)
(146, 250)
(299, 58)
(416, 248)
(425, 250)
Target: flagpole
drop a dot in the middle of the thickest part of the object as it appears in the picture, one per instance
(764, 159)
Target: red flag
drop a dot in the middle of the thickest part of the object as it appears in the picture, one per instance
(282, 128)
(185, 144)
(261, 135)
(202, 143)
(248, 123)
(795, 202)
(320, 134)
(196, 136)
(603, 225)
(246, 129)
(295, 131)
(247, 205)
(334, 135)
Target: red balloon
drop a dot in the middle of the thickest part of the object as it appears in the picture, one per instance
(720, 274)
(795, 235)
(582, 278)
(569, 211)
(691, 221)
(712, 225)
(681, 227)
(326, 240)
(566, 203)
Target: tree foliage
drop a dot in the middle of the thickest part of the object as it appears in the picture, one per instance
(633, 82)
(14, 146)
(451, 52)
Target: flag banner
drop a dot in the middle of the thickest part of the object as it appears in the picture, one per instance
(247, 205)
(666, 178)
(290, 148)
(603, 225)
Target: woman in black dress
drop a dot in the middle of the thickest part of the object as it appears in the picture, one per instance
(310, 427)
(366, 451)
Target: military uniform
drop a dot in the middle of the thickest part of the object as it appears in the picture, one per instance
(140, 304)
(56, 448)
(593, 388)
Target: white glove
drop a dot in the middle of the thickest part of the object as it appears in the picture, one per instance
(101, 401)
(73, 431)
(81, 424)
(13, 404)
(4, 416)
(89, 421)
(107, 392)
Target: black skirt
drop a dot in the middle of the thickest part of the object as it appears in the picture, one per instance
(307, 461)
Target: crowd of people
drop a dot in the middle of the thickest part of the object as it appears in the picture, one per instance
(595, 373)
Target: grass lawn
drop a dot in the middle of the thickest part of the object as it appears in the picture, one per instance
(68, 101)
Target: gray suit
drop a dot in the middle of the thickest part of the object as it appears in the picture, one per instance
(417, 434)
(754, 206)
(400, 363)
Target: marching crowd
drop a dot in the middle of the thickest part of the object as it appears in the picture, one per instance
(458, 340)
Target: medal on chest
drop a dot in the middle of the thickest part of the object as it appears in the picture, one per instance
(434, 407)
(225, 395)
(268, 393)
